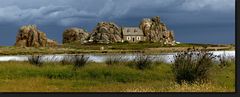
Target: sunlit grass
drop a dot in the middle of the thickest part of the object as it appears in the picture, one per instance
(76, 48)
(100, 77)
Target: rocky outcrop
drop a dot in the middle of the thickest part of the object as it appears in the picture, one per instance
(106, 32)
(30, 36)
(156, 31)
(75, 35)
(168, 38)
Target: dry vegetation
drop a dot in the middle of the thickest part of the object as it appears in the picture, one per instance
(104, 77)
(77, 48)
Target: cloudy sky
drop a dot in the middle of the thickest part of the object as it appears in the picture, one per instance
(195, 21)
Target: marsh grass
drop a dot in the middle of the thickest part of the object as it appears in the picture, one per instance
(93, 71)
(140, 75)
(99, 77)
(225, 61)
(67, 60)
(197, 87)
(142, 62)
(79, 61)
(192, 65)
(35, 60)
(114, 46)
(184, 87)
(77, 48)
(116, 60)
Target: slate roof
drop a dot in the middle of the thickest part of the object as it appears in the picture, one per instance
(132, 31)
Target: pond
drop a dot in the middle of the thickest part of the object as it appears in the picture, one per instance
(166, 57)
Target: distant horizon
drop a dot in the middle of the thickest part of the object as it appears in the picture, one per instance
(193, 21)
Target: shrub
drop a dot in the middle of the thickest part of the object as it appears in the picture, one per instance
(67, 60)
(115, 60)
(79, 61)
(225, 61)
(35, 60)
(76, 60)
(142, 62)
(192, 65)
(126, 42)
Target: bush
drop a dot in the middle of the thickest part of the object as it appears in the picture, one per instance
(67, 60)
(225, 61)
(126, 42)
(115, 60)
(79, 61)
(192, 66)
(142, 62)
(35, 60)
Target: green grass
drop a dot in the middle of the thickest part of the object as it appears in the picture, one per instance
(99, 77)
(114, 46)
(76, 48)
(135, 46)
(224, 77)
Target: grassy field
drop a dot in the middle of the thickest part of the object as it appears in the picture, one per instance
(76, 48)
(100, 77)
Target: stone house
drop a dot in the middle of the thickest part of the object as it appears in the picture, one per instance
(132, 34)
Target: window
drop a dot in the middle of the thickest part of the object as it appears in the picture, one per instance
(138, 38)
(135, 30)
(128, 38)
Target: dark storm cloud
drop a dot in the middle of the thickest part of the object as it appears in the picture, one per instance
(192, 20)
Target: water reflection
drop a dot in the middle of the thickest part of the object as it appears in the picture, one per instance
(166, 57)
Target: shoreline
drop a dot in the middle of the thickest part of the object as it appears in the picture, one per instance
(46, 51)
(145, 48)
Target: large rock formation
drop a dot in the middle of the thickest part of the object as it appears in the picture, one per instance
(106, 33)
(156, 31)
(30, 36)
(75, 35)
